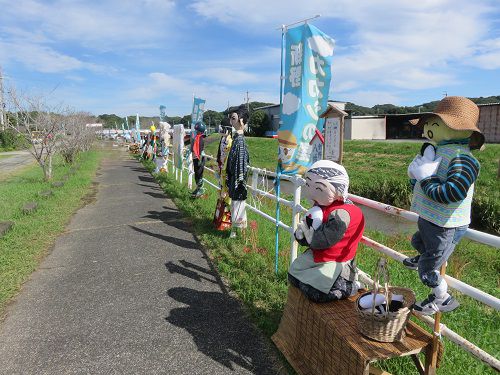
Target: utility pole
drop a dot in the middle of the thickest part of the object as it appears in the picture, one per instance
(248, 106)
(2, 104)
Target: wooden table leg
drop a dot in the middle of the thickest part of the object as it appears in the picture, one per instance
(418, 364)
(429, 369)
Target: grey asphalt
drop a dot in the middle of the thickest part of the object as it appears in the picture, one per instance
(127, 289)
(14, 161)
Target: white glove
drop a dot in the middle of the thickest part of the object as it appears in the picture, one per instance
(410, 168)
(299, 234)
(422, 168)
(306, 230)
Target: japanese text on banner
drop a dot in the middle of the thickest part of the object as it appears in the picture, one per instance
(308, 57)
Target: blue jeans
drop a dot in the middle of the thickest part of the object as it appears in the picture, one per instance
(435, 245)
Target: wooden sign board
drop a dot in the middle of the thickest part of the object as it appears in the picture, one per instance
(334, 134)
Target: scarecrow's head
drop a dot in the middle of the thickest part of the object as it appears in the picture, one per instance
(455, 117)
(326, 182)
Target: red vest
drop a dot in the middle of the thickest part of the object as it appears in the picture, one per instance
(196, 146)
(345, 249)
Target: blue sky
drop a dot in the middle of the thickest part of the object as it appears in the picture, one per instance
(125, 57)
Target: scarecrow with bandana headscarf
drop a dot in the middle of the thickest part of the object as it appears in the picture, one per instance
(331, 230)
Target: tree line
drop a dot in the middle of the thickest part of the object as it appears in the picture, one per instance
(260, 121)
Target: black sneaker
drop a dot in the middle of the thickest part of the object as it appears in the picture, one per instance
(411, 263)
(432, 305)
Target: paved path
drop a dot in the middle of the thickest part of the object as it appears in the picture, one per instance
(14, 161)
(127, 289)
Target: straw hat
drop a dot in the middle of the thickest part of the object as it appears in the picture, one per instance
(458, 113)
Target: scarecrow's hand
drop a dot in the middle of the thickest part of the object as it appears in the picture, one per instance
(307, 230)
(422, 167)
(304, 234)
(411, 166)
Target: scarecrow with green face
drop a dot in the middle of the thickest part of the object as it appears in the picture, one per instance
(443, 176)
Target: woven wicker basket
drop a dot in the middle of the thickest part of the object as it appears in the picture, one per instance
(388, 326)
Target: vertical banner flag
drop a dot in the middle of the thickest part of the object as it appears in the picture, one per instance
(197, 113)
(137, 128)
(178, 142)
(308, 56)
(163, 115)
(126, 122)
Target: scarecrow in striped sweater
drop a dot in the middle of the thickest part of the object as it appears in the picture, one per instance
(443, 177)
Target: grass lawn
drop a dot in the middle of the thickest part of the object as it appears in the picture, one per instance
(239, 261)
(23, 247)
(377, 170)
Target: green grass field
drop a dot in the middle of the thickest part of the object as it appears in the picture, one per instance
(377, 170)
(265, 296)
(22, 248)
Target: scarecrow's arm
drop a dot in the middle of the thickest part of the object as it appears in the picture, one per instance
(331, 232)
(462, 172)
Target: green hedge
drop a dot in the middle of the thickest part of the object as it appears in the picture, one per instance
(10, 140)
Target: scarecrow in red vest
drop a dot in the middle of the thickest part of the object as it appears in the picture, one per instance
(331, 230)
(198, 152)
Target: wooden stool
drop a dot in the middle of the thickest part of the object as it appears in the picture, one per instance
(324, 339)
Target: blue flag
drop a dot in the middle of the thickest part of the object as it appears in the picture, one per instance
(197, 113)
(308, 56)
(137, 128)
(163, 115)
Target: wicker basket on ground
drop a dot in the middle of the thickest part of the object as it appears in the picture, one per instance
(386, 326)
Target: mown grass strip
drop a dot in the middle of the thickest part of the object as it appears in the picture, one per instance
(22, 248)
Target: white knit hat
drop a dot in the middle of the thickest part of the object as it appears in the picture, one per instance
(334, 173)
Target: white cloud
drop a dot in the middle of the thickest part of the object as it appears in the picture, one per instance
(406, 44)
(111, 24)
(487, 55)
(370, 98)
(227, 76)
(169, 89)
(44, 59)
(320, 45)
(291, 103)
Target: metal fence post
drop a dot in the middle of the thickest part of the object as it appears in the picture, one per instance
(297, 189)
(190, 172)
(255, 181)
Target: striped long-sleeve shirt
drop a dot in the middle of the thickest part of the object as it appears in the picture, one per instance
(445, 198)
(462, 172)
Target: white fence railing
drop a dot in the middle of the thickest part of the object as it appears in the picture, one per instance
(297, 209)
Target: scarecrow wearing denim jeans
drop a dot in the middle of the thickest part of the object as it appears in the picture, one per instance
(443, 177)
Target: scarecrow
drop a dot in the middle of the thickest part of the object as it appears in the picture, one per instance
(331, 230)
(198, 152)
(237, 170)
(443, 176)
(222, 216)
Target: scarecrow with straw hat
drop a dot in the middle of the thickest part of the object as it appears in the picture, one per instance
(443, 176)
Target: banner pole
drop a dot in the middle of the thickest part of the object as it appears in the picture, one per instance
(278, 168)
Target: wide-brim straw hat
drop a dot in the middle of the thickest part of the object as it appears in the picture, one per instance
(458, 113)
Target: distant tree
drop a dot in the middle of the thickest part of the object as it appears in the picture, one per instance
(254, 105)
(212, 118)
(186, 121)
(174, 120)
(259, 123)
(109, 121)
(39, 124)
(76, 137)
